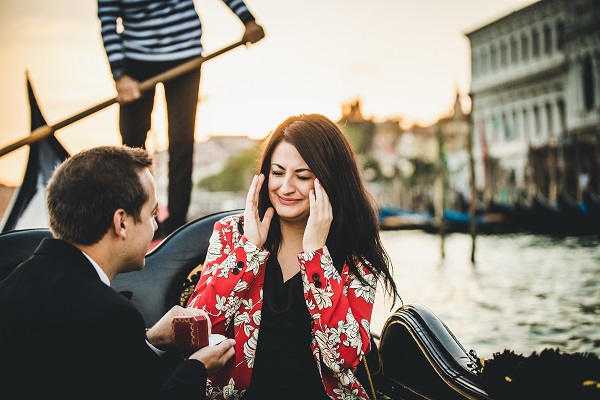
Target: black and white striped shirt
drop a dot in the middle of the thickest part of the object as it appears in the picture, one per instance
(154, 30)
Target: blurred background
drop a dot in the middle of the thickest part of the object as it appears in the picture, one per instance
(475, 121)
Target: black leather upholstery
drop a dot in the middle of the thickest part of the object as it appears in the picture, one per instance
(419, 352)
(157, 287)
(154, 289)
(417, 357)
(18, 246)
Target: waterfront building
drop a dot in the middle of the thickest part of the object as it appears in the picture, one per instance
(452, 131)
(535, 92)
(398, 164)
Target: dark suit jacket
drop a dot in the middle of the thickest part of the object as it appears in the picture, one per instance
(65, 334)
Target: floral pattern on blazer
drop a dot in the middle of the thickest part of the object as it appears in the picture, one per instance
(230, 291)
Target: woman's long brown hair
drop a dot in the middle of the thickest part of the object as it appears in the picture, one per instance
(354, 230)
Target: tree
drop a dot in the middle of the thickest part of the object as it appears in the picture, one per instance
(236, 175)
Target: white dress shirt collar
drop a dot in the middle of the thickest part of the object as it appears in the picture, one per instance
(101, 273)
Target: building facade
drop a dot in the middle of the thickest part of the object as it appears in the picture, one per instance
(535, 92)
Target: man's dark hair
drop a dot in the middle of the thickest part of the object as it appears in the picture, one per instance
(85, 191)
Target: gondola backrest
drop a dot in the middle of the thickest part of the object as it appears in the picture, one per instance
(419, 354)
(17, 246)
(154, 289)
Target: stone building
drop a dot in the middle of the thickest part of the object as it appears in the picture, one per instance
(535, 93)
(397, 164)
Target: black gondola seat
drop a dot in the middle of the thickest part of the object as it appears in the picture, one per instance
(417, 356)
(154, 289)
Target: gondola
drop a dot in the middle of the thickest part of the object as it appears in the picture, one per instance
(538, 215)
(397, 218)
(576, 218)
(415, 356)
(565, 217)
(591, 202)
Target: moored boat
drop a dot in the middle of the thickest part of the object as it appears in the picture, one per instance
(401, 218)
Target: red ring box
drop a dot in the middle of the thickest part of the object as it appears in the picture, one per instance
(190, 333)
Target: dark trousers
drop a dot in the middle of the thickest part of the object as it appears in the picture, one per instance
(181, 96)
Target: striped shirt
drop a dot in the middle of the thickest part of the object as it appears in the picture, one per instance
(154, 30)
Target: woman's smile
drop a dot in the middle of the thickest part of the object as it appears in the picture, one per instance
(287, 201)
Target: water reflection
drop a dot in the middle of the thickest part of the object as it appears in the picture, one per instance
(525, 292)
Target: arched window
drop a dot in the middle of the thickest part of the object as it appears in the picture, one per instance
(560, 35)
(536, 121)
(588, 83)
(561, 115)
(513, 50)
(547, 40)
(515, 132)
(549, 121)
(535, 43)
(526, 125)
(524, 48)
(506, 127)
(485, 61)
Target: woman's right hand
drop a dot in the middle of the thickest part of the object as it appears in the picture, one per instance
(255, 230)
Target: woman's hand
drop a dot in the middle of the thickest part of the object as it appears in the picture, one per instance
(255, 230)
(319, 220)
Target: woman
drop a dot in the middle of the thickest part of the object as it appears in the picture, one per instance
(301, 266)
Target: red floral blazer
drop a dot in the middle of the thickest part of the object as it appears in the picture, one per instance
(230, 291)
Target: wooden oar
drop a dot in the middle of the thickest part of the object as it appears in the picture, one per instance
(45, 130)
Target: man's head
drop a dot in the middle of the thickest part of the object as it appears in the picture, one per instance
(87, 193)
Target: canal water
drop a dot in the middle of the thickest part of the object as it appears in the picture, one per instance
(524, 293)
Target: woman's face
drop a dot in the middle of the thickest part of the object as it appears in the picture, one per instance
(290, 183)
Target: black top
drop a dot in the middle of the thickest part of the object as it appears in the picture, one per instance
(284, 366)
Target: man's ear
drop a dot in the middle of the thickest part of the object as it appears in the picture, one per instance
(120, 223)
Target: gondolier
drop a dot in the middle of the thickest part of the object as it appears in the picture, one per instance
(142, 41)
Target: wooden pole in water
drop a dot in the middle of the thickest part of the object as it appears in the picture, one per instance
(45, 130)
(473, 202)
(443, 180)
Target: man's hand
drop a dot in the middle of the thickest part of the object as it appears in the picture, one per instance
(254, 32)
(161, 334)
(214, 357)
(128, 89)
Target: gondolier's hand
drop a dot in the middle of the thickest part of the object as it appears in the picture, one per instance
(319, 220)
(255, 230)
(161, 333)
(128, 89)
(254, 32)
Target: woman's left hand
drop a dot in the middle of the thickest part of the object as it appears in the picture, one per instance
(319, 220)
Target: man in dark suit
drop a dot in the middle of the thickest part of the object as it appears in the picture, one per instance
(64, 332)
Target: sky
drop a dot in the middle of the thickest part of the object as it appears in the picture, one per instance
(403, 59)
